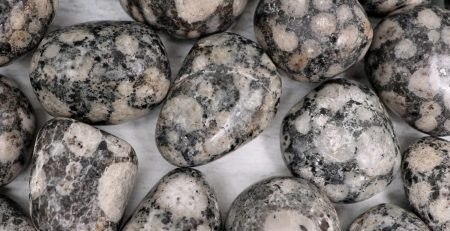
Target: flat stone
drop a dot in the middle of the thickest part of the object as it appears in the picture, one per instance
(181, 200)
(186, 18)
(12, 216)
(81, 177)
(282, 204)
(226, 94)
(426, 177)
(340, 138)
(101, 72)
(313, 40)
(386, 6)
(409, 66)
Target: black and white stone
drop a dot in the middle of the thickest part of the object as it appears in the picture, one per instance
(186, 18)
(282, 204)
(81, 177)
(313, 40)
(426, 177)
(409, 66)
(181, 200)
(381, 7)
(340, 138)
(12, 218)
(226, 94)
(388, 217)
(23, 25)
(17, 125)
(101, 72)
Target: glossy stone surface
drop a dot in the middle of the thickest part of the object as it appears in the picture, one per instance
(426, 177)
(381, 7)
(181, 200)
(226, 94)
(313, 40)
(101, 72)
(24, 24)
(17, 124)
(282, 204)
(388, 217)
(186, 18)
(409, 66)
(81, 177)
(12, 218)
(340, 138)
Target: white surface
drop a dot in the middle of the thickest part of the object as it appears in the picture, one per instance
(229, 175)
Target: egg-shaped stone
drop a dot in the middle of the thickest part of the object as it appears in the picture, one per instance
(313, 40)
(186, 18)
(409, 66)
(101, 72)
(226, 94)
(426, 177)
(340, 138)
(12, 216)
(181, 200)
(23, 25)
(386, 6)
(282, 204)
(81, 177)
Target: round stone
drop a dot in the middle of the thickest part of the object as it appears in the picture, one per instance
(313, 40)
(381, 7)
(282, 204)
(340, 138)
(12, 216)
(186, 18)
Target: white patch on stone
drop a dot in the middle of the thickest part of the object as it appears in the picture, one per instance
(303, 123)
(323, 5)
(297, 8)
(384, 73)
(82, 139)
(127, 44)
(419, 193)
(77, 35)
(196, 10)
(156, 85)
(434, 36)
(426, 123)
(287, 220)
(118, 147)
(27, 121)
(98, 112)
(185, 111)
(52, 51)
(344, 13)
(20, 39)
(429, 19)
(405, 49)
(445, 35)
(73, 169)
(18, 18)
(149, 15)
(336, 192)
(38, 180)
(440, 209)
(347, 39)
(199, 63)
(123, 111)
(285, 40)
(424, 159)
(11, 144)
(424, 84)
(238, 7)
(323, 24)
(221, 55)
(335, 144)
(82, 66)
(388, 30)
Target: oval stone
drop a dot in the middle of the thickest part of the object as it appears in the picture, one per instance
(181, 200)
(12, 216)
(101, 72)
(81, 177)
(387, 6)
(226, 94)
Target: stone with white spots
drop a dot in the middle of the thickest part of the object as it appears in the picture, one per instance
(340, 138)
(181, 200)
(282, 204)
(186, 18)
(426, 177)
(226, 94)
(382, 7)
(12, 216)
(101, 72)
(313, 40)
(81, 177)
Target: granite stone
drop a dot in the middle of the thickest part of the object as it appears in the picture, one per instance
(12, 218)
(382, 7)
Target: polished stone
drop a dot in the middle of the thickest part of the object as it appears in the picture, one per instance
(382, 7)
(12, 218)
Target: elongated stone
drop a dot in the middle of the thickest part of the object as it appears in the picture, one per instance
(12, 217)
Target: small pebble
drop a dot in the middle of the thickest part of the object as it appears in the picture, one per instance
(386, 6)
(12, 218)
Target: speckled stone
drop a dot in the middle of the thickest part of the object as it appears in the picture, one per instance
(388, 217)
(186, 18)
(426, 177)
(81, 177)
(23, 25)
(282, 204)
(12, 218)
(181, 200)
(409, 66)
(340, 138)
(313, 40)
(226, 94)
(101, 72)
(17, 124)
(381, 7)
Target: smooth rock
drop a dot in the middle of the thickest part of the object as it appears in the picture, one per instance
(340, 138)
(12, 218)
(313, 40)
(101, 72)
(181, 200)
(282, 204)
(381, 7)
(81, 177)
(426, 177)
(226, 94)
(186, 18)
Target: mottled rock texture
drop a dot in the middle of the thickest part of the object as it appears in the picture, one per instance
(12, 218)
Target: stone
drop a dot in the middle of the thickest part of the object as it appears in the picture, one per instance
(426, 177)
(313, 40)
(383, 7)
(101, 72)
(388, 217)
(226, 93)
(340, 138)
(17, 125)
(181, 200)
(81, 177)
(12, 216)
(186, 18)
(282, 204)
(409, 67)
(24, 24)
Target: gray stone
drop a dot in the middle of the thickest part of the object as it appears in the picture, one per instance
(12, 218)
(381, 7)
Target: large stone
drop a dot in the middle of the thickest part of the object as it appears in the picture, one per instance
(12, 218)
